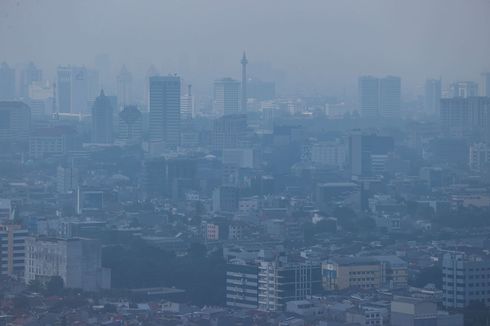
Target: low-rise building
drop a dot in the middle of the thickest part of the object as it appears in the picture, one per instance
(343, 273)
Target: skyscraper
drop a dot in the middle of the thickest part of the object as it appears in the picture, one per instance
(165, 110)
(379, 97)
(389, 97)
(368, 96)
(7, 82)
(124, 87)
(102, 120)
(244, 63)
(15, 121)
(73, 90)
(432, 98)
(226, 96)
(29, 75)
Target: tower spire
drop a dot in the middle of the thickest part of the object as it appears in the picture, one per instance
(244, 63)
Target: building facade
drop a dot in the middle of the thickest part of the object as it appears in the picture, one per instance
(165, 110)
(77, 261)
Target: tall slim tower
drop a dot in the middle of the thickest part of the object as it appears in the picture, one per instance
(244, 82)
(165, 110)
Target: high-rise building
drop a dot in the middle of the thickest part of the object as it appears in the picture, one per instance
(124, 88)
(485, 84)
(282, 281)
(368, 96)
(12, 249)
(432, 98)
(72, 90)
(226, 96)
(15, 121)
(368, 153)
(464, 116)
(229, 132)
(187, 104)
(29, 75)
(7, 82)
(464, 89)
(130, 125)
(102, 125)
(389, 97)
(242, 286)
(379, 97)
(244, 98)
(165, 110)
(77, 261)
(464, 280)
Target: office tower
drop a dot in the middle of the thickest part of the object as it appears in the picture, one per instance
(102, 124)
(465, 280)
(72, 90)
(379, 97)
(12, 249)
(226, 96)
(229, 132)
(244, 63)
(15, 121)
(242, 287)
(67, 179)
(29, 75)
(368, 153)
(368, 96)
(151, 72)
(7, 82)
(432, 98)
(124, 88)
(165, 110)
(187, 105)
(77, 261)
(485, 84)
(464, 89)
(389, 97)
(130, 125)
(282, 281)
(466, 116)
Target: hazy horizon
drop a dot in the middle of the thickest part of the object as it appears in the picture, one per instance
(319, 46)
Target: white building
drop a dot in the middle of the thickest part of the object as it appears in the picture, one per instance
(77, 261)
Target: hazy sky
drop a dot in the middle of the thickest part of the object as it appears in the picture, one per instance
(320, 45)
